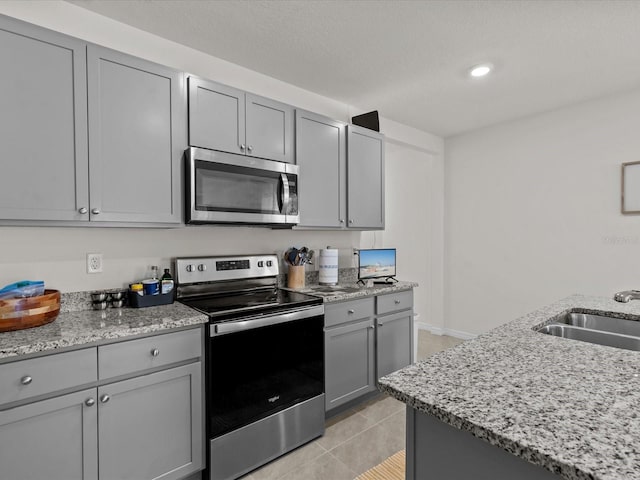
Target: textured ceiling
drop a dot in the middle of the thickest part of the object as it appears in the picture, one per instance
(408, 59)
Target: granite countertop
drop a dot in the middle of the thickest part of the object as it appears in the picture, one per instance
(76, 328)
(350, 291)
(569, 406)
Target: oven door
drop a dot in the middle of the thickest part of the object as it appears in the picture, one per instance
(228, 188)
(262, 365)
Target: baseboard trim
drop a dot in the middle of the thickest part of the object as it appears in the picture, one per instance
(446, 331)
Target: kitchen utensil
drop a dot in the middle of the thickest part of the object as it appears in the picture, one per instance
(292, 255)
(19, 313)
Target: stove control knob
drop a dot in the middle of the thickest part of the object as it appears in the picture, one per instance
(260, 263)
(191, 268)
(269, 263)
(202, 267)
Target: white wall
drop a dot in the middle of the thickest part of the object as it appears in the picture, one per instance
(57, 255)
(533, 212)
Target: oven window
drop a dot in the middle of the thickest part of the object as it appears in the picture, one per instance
(229, 188)
(255, 373)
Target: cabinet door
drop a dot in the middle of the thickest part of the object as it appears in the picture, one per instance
(151, 426)
(216, 116)
(320, 152)
(269, 129)
(43, 124)
(365, 178)
(349, 367)
(54, 439)
(394, 342)
(137, 135)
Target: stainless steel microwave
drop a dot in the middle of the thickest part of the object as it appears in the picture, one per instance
(238, 189)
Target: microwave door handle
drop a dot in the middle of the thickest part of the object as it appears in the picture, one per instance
(285, 193)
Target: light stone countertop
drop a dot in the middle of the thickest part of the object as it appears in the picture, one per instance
(83, 327)
(570, 406)
(351, 291)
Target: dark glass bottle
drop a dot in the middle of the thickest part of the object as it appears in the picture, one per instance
(166, 282)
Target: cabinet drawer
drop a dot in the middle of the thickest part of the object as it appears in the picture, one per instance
(38, 376)
(149, 352)
(337, 313)
(394, 302)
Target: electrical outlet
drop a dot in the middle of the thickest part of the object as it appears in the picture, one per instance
(94, 263)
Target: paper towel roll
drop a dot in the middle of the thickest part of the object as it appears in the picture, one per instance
(328, 266)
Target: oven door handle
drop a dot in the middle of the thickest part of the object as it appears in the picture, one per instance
(264, 321)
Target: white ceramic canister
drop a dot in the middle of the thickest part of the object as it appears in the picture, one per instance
(328, 266)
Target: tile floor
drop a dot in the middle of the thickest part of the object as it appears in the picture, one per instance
(355, 440)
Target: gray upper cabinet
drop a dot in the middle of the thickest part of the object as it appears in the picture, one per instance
(137, 136)
(341, 174)
(269, 129)
(55, 439)
(216, 116)
(321, 154)
(88, 134)
(43, 124)
(228, 119)
(365, 178)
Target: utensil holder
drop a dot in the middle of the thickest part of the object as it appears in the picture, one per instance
(295, 279)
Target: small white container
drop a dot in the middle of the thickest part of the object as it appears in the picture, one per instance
(328, 266)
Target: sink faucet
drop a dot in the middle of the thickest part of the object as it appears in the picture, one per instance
(627, 295)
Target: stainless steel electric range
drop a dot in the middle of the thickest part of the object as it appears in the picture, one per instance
(264, 360)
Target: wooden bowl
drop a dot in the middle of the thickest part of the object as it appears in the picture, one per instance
(19, 313)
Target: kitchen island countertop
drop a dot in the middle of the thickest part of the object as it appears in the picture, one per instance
(569, 406)
(78, 328)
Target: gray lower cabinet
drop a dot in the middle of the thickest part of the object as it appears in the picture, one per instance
(143, 423)
(349, 351)
(365, 179)
(225, 118)
(394, 332)
(137, 136)
(321, 150)
(55, 439)
(43, 124)
(365, 339)
(151, 426)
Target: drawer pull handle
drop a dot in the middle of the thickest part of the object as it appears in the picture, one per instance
(26, 380)
(89, 402)
(371, 327)
(105, 398)
(397, 302)
(380, 324)
(155, 352)
(351, 311)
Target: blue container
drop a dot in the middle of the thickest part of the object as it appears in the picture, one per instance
(151, 287)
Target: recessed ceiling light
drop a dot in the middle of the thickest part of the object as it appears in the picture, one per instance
(480, 70)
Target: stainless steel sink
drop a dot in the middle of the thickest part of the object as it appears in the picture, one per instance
(611, 331)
